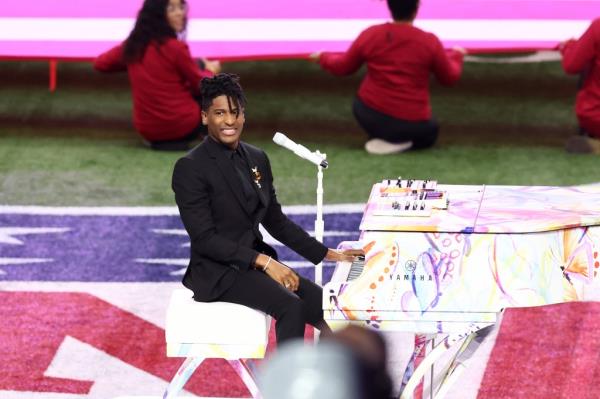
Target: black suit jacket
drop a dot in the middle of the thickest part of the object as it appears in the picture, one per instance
(224, 234)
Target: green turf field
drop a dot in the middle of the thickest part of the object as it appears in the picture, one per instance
(502, 124)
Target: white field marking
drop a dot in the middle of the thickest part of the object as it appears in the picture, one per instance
(7, 233)
(155, 210)
(78, 360)
(21, 261)
(241, 30)
(164, 261)
(167, 262)
(6, 237)
(176, 232)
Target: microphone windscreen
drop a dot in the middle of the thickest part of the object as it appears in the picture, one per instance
(279, 138)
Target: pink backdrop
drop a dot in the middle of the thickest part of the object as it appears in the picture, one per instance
(284, 28)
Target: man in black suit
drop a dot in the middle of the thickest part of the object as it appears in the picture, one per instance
(224, 190)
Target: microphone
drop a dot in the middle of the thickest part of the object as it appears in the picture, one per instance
(300, 150)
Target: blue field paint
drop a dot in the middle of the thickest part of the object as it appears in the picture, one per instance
(123, 248)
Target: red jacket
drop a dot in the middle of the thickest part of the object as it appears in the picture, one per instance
(162, 84)
(400, 58)
(584, 55)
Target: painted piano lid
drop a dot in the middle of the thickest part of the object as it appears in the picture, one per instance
(495, 209)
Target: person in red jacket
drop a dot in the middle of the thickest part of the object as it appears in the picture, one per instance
(163, 76)
(392, 104)
(583, 57)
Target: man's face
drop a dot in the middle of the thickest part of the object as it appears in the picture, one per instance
(225, 121)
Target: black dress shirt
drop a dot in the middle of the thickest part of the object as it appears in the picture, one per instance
(240, 164)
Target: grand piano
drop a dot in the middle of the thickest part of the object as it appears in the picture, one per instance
(446, 259)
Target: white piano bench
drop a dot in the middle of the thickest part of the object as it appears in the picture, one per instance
(201, 330)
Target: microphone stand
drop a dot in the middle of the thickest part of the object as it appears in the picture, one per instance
(319, 229)
(319, 223)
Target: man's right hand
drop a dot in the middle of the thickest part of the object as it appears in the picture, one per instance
(278, 272)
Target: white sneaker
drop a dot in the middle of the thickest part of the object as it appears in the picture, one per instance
(382, 147)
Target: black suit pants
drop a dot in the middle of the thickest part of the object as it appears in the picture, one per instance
(291, 310)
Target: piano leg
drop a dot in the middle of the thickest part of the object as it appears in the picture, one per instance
(459, 363)
(436, 353)
(454, 371)
(420, 348)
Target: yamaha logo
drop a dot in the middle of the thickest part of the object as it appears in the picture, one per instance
(410, 266)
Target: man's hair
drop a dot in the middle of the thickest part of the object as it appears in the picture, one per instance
(151, 25)
(403, 10)
(223, 84)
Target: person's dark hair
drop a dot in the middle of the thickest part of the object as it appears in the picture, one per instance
(223, 84)
(370, 351)
(151, 24)
(403, 10)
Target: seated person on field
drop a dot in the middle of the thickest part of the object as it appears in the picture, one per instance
(392, 104)
(163, 76)
(224, 191)
(582, 56)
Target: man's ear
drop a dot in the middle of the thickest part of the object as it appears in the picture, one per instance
(204, 118)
